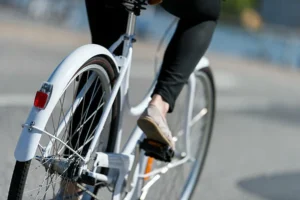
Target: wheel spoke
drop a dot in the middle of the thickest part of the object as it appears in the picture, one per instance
(80, 128)
(40, 186)
(82, 114)
(86, 112)
(66, 117)
(93, 115)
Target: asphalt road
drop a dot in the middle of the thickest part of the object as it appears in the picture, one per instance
(254, 153)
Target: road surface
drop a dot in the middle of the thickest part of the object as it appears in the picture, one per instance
(254, 154)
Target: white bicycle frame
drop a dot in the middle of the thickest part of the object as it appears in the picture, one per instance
(126, 159)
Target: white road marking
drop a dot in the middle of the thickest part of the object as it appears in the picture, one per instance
(7, 100)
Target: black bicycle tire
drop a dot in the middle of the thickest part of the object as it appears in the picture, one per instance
(20, 171)
(208, 72)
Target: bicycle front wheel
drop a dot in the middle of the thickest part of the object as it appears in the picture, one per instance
(178, 179)
(54, 172)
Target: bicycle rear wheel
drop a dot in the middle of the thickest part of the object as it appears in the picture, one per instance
(179, 182)
(75, 125)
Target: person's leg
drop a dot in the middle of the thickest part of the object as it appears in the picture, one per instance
(191, 39)
(107, 21)
(189, 43)
(186, 48)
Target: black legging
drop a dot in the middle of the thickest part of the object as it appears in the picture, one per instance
(191, 39)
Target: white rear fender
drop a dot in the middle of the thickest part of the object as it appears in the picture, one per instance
(59, 79)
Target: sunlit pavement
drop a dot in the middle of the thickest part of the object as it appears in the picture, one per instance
(255, 148)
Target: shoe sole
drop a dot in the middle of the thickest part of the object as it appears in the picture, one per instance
(152, 131)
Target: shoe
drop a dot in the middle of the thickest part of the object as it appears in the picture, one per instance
(155, 126)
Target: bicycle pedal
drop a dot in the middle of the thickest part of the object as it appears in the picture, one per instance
(157, 150)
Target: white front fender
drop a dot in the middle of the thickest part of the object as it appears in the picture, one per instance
(204, 62)
(59, 79)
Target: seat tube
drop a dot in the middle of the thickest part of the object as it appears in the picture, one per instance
(129, 32)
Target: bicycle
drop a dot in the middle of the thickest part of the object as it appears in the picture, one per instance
(53, 146)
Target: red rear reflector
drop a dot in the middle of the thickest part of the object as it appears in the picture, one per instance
(40, 100)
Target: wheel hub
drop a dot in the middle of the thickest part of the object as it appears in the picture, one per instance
(67, 168)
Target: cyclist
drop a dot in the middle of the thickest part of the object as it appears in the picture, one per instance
(198, 19)
(197, 22)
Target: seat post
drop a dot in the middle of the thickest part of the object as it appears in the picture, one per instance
(130, 31)
(131, 24)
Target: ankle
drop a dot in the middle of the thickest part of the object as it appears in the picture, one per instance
(158, 101)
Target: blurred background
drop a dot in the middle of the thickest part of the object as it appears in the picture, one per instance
(255, 56)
